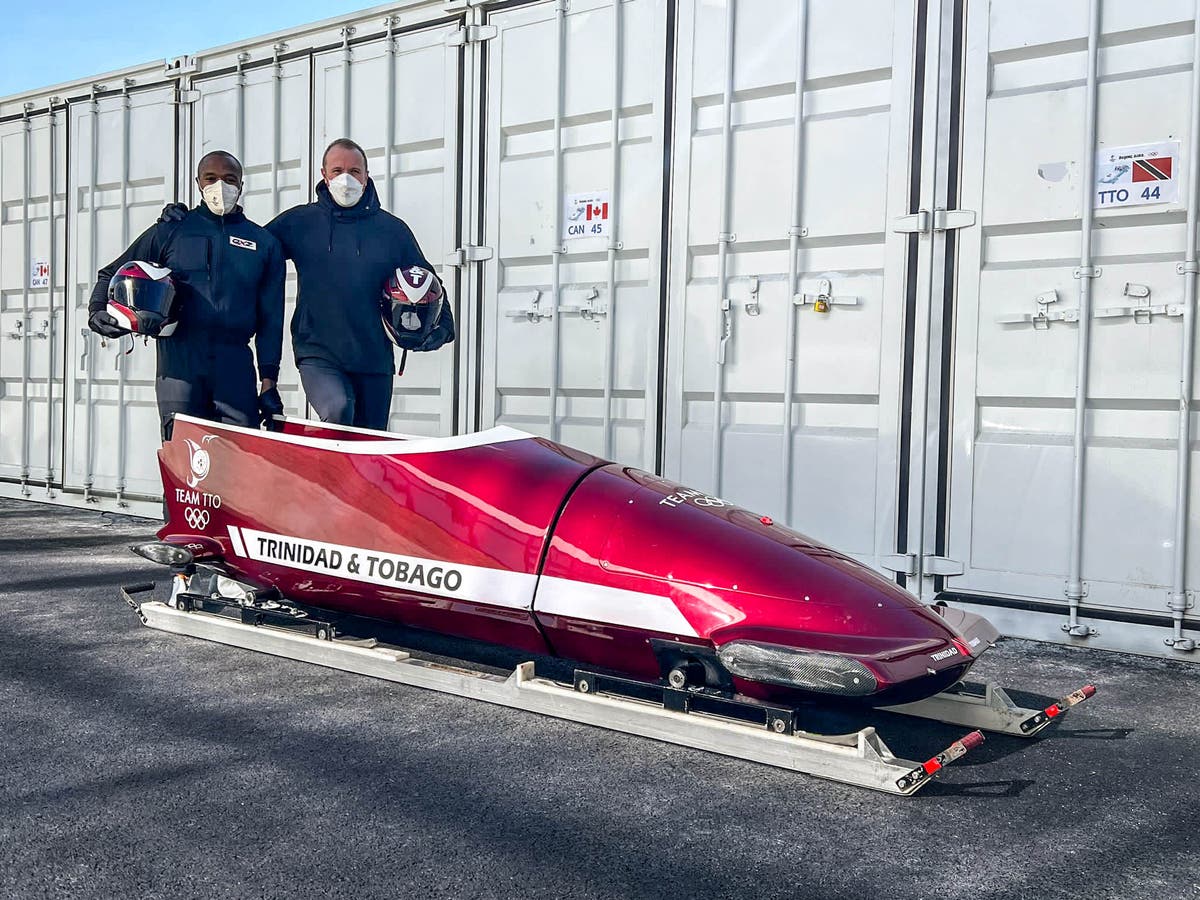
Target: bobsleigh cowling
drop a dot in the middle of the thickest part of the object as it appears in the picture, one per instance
(505, 537)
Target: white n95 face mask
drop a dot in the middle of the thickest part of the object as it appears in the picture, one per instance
(345, 189)
(220, 198)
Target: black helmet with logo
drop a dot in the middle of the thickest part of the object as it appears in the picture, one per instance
(142, 298)
(411, 306)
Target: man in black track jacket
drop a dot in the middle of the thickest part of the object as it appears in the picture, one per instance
(228, 274)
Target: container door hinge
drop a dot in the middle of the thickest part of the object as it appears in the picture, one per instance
(900, 563)
(471, 34)
(468, 254)
(922, 221)
(906, 564)
(941, 565)
(1180, 602)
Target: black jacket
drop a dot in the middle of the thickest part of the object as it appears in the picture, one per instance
(343, 260)
(229, 292)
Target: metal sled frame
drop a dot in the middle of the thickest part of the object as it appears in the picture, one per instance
(860, 758)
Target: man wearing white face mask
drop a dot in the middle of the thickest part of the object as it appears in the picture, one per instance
(345, 247)
(228, 273)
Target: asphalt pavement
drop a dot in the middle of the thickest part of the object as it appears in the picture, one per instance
(137, 764)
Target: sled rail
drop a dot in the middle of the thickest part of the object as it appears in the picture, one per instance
(859, 758)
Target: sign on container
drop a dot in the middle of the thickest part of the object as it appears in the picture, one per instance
(1137, 175)
(587, 215)
(39, 274)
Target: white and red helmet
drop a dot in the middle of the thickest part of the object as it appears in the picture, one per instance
(141, 297)
(411, 305)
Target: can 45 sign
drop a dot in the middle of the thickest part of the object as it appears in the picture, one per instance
(587, 215)
(1137, 175)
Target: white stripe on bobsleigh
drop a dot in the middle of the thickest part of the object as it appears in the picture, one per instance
(396, 445)
(476, 584)
(610, 605)
(457, 581)
(236, 540)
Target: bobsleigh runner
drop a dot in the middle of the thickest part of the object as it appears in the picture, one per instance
(690, 620)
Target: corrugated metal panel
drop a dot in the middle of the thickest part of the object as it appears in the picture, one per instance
(122, 172)
(1015, 383)
(32, 250)
(570, 318)
(769, 217)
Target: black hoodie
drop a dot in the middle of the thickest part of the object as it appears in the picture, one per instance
(343, 259)
(228, 273)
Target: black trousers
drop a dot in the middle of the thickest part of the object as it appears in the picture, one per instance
(207, 379)
(347, 398)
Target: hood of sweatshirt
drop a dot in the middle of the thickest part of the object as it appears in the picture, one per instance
(367, 206)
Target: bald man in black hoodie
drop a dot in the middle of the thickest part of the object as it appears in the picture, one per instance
(345, 246)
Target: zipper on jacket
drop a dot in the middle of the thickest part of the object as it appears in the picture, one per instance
(218, 301)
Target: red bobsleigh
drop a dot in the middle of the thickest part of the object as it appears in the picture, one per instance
(509, 538)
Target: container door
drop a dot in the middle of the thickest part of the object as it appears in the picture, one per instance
(786, 352)
(1017, 333)
(400, 99)
(261, 115)
(573, 220)
(122, 172)
(33, 191)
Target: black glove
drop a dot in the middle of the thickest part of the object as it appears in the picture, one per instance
(442, 333)
(105, 325)
(270, 404)
(173, 212)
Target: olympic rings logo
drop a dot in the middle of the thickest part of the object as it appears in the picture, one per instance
(196, 518)
(709, 501)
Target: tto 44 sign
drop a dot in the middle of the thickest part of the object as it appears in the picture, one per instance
(1137, 175)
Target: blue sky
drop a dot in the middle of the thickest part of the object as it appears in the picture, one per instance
(60, 40)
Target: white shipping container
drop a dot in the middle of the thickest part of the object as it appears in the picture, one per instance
(873, 269)
(570, 316)
(32, 250)
(1019, 509)
(791, 159)
(121, 176)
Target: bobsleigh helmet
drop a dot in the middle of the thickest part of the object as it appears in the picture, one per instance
(411, 306)
(142, 298)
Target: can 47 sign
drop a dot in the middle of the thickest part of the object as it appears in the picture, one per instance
(39, 274)
(1137, 175)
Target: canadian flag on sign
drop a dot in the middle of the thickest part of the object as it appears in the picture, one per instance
(597, 211)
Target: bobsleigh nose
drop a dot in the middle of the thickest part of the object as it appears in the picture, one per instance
(870, 647)
(784, 613)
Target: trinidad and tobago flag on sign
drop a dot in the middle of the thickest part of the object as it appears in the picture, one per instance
(1152, 169)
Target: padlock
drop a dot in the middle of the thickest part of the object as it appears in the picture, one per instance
(821, 304)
